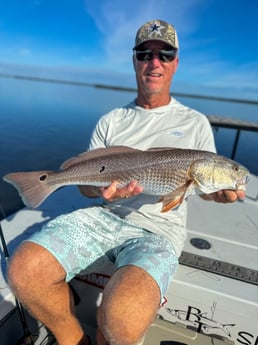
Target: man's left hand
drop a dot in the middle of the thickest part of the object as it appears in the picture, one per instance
(225, 196)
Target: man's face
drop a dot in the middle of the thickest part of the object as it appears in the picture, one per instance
(154, 76)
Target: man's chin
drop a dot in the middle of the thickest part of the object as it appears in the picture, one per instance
(153, 90)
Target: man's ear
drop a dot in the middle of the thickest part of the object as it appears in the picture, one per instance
(176, 64)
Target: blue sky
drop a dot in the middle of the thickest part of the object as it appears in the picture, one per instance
(91, 41)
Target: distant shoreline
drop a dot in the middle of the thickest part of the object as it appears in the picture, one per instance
(122, 88)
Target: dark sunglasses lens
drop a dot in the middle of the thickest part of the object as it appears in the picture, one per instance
(164, 55)
(145, 55)
(167, 55)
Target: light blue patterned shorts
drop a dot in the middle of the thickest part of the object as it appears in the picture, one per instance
(82, 239)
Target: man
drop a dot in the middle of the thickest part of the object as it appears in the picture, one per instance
(129, 229)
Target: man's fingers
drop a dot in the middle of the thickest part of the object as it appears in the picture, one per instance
(133, 188)
(226, 196)
(112, 192)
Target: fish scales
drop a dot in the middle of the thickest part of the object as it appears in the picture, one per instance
(158, 172)
(171, 173)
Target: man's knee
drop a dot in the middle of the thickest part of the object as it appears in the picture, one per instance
(32, 265)
(130, 302)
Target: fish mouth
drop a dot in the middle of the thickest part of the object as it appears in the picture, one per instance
(242, 181)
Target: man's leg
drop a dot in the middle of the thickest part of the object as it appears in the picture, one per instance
(145, 266)
(129, 305)
(38, 281)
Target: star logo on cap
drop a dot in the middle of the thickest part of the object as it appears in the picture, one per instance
(155, 28)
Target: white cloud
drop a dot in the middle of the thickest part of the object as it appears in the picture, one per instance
(206, 68)
(118, 21)
(211, 76)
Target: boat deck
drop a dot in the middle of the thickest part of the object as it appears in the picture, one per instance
(201, 300)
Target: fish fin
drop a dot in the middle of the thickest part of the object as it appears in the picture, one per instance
(171, 201)
(32, 186)
(171, 204)
(174, 199)
(99, 152)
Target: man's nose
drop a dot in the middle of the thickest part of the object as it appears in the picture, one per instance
(155, 60)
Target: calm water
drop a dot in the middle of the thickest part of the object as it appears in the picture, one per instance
(42, 124)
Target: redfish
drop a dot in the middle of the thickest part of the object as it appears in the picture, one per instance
(170, 173)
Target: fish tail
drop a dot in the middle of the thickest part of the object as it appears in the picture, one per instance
(33, 187)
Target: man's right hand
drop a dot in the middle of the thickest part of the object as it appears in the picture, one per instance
(112, 193)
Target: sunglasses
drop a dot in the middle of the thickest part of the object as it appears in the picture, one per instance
(163, 55)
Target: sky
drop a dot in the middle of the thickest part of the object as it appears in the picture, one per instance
(91, 41)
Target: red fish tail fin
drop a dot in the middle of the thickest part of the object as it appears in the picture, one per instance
(33, 187)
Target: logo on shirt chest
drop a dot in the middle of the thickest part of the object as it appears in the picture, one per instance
(176, 133)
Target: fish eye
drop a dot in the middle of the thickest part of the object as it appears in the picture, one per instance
(235, 167)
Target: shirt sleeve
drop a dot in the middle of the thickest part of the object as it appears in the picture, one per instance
(206, 141)
(98, 137)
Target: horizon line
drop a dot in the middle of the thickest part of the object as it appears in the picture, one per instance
(122, 88)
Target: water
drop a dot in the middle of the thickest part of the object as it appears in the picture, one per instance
(43, 124)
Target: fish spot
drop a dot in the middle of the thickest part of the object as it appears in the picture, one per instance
(102, 169)
(43, 177)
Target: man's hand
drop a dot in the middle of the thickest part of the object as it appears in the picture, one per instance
(225, 196)
(112, 193)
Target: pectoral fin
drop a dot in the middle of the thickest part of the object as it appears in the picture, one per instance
(175, 198)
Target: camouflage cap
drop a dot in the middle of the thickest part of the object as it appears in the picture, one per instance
(157, 30)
